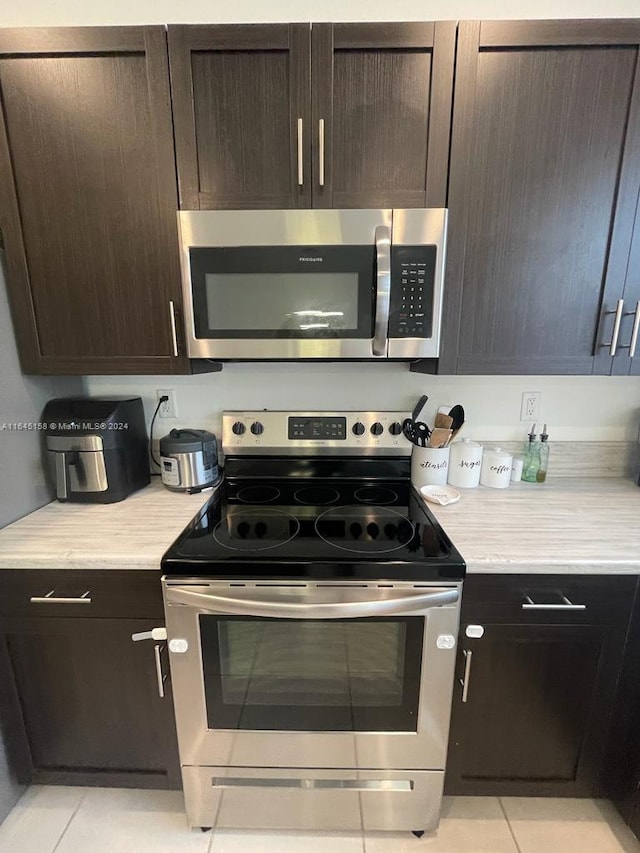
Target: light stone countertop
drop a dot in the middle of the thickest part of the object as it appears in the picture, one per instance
(131, 534)
(589, 526)
(565, 525)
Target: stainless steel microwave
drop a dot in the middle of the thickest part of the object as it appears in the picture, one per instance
(313, 284)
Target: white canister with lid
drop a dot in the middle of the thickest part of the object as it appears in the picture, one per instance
(496, 468)
(465, 460)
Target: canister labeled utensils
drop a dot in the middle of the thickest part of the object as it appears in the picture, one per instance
(496, 468)
(429, 466)
(465, 461)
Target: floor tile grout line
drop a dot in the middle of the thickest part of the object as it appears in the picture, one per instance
(68, 824)
(506, 817)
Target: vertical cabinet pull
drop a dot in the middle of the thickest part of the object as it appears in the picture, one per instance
(174, 335)
(300, 155)
(464, 681)
(321, 152)
(634, 331)
(155, 634)
(613, 343)
(157, 651)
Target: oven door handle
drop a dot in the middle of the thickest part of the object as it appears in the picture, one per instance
(351, 606)
(383, 290)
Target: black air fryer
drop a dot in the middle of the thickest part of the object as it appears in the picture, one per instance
(97, 447)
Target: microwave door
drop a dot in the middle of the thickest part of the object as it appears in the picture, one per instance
(383, 291)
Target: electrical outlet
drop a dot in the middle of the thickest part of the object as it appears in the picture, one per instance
(169, 409)
(530, 409)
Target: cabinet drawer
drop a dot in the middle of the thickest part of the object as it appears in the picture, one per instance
(70, 593)
(541, 598)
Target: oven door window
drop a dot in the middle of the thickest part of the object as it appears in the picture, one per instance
(354, 675)
(269, 292)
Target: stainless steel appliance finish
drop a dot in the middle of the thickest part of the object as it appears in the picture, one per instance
(189, 460)
(388, 296)
(267, 433)
(78, 462)
(313, 650)
(435, 604)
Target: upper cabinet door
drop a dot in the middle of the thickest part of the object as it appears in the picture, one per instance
(545, 168)
(241, 109)
(381, 114)
(88, 199)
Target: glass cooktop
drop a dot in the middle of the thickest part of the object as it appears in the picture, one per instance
(307, 527)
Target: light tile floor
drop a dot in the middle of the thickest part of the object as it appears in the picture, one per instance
(114, 820)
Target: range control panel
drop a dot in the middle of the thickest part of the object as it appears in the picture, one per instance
(313, 433)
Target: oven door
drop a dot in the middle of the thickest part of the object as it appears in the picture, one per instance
(286, 284)
(312, 674)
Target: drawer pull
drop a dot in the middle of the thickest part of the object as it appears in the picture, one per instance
(311, 784)
(52, 598)
(529, 604)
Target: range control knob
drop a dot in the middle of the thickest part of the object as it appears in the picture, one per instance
(395, 428)
(238, 428)
(357, 428)
(257, 428)
(377, 428)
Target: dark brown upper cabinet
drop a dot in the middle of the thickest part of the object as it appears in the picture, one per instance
(381, 114)
(322, 115)
(242, 107)
(544, 180)
(89, 200)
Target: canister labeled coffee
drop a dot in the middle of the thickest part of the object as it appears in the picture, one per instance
(496, 468)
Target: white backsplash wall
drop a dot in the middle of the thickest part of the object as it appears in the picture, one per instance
(30, 13)
(577, 408)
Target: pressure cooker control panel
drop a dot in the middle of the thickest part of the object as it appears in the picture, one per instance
(264, 432)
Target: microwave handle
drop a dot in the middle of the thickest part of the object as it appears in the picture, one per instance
(383, 290)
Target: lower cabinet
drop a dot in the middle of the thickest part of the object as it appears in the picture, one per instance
(82, 703)
(538, 666)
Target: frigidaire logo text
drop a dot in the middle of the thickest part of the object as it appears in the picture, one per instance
(311, 259)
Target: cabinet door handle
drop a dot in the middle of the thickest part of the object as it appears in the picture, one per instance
(157, 651)
(174, 335)
(634, 331)
(300, 155)
(52, 598)
(529, 604)
(321, 152)
(464, 681)
(613, 343)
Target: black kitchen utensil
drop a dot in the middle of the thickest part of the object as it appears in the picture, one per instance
(457, 413)
(419, 406)
(417, 432)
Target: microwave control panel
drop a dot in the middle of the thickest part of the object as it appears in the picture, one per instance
(412, 277)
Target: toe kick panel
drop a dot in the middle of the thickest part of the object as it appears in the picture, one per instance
(294, 798)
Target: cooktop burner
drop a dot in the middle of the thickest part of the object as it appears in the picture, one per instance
(375, 495)
(257, 530)
(316, 495)
(353, 528)
(258, 494)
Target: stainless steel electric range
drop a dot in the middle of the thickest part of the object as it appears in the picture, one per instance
(312, 613)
